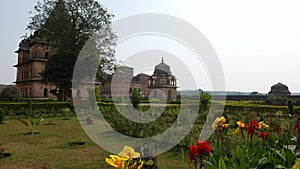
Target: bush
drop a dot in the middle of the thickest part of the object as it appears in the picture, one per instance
(136, 97)
(10, 92)
(2, 115)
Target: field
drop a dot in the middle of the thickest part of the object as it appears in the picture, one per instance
(60, 142)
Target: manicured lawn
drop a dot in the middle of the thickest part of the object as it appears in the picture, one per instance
(49, 148)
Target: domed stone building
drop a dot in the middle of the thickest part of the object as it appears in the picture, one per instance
(279, 90)
(162, 83)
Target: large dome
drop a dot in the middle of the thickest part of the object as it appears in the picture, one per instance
(279, 89)
(162, 69)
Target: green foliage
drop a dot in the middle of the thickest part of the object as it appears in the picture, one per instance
(31, 123)
(68, 26)
(275, 100)
(291, 107)
(136, 97)
(10, 92)
(66, 111)
(205, 100)
(59, 71)
(41, 108)
(2, 115)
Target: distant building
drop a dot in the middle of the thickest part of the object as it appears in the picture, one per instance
(161, 85)
(279, 90)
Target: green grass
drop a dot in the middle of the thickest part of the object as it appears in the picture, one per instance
(48, 149)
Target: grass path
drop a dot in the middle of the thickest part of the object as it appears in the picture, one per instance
(49, 149)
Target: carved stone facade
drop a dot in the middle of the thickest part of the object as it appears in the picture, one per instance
(33, 54)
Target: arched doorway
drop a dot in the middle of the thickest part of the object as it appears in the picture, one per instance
(45, 92)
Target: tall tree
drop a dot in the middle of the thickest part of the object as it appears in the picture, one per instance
(68, 25)
(205, 100)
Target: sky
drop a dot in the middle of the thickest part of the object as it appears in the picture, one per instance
(257, 42)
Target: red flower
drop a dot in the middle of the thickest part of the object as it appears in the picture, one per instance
(203, 147)
(193, 152)
(263, 135)
(253, 123)
(296, 126)
(298, 112)
(251, 126)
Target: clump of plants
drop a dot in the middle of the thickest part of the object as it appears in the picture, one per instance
(31, 124)
(136, 97)
(4, 154)
(11, 92)
(73, 144)
(66, 112)
(2, 116)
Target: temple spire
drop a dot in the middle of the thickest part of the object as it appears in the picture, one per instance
(162, 59)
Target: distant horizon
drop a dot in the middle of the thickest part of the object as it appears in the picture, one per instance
(236, 91)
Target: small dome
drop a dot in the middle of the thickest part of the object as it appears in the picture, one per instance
(279, 89)
(162, 68)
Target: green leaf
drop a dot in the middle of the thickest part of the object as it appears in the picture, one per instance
(222, 164)
(280, 166)
(262, 161)
(32, 121)
(290, 158)
(209, 165)
(38, 121)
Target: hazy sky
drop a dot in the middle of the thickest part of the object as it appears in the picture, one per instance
(257, 42)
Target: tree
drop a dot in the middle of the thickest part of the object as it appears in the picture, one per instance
(67, 26)
(10, 92)
(136, 97)
(205, 100)
(59, 71)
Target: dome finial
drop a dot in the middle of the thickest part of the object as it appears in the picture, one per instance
(162, 59)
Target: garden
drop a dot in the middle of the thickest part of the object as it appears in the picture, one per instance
(47, 134)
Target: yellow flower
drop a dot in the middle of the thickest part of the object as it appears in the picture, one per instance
(297, 164)
(220, 122)
(241, 124)
(129, 152)
(262, 125)
(116, 161)
(236, 131)
(225, 126)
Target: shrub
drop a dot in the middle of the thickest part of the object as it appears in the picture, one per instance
(10, 92)
(136, 97)
(2, 115)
